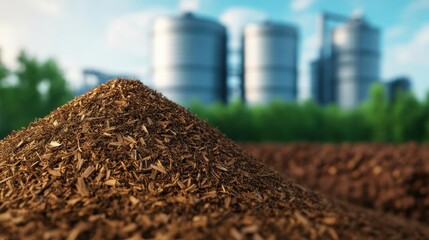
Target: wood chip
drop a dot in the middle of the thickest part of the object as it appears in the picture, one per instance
(134, 200)
(81, 187)
(145, 129)
(329, 220)
(158, 168)
(111, 182)
(128, 163)
(88, 171)
(56, 173)
(20, 144)
(54, 144)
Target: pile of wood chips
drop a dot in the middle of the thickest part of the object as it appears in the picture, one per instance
(387, 177)
(122, 161)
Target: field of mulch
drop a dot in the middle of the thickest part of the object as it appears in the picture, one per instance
(387, 177)
(124, 162)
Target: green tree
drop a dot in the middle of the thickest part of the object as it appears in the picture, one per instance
(376, 120)
(38, 87)
(240, 121)
(58, 91)
(3, 74)
(407, 123)
(425, 118)
(313, 120)
(332, 127)
(377, 113)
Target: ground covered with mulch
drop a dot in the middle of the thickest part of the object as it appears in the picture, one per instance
(122, 161)
(391, 178)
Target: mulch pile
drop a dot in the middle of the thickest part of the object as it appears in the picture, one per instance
(387, 177)
(122, 161)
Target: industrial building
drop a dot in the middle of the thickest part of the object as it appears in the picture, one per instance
(93, 77)
(395, 85)
(189, 59)
(269, 62)
(348, 63)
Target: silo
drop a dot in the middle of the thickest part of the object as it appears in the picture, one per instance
(356, 60)
(189, 59)
(269, 62)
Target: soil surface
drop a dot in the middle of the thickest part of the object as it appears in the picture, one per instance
(122, 161)
(387, 177)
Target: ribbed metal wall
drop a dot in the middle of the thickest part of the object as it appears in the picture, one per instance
(189, 59)
(356, 60)
(269, 62)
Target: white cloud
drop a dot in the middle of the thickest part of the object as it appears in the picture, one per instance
(49, 7)
(298, 5)
(306, 21)
(236, 18)
(416, 6)
(73, 73)
(395, 32)
(410, 58)
(8, 45)
(53, 29)
(19, 25)
(416, 51)
(26, 8)
(131, 33)
(358, 12)
(189, 5)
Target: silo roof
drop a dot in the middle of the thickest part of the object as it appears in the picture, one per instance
(271, 28)
(358, 22)
(187, 21)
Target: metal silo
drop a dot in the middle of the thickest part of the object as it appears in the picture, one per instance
(269, 62)
(356, 60)
(189, 59)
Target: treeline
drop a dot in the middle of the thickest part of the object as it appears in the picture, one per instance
(30, 91)
(404, 119)
(37, 87)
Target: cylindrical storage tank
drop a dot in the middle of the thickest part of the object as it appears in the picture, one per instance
(269, 62)
(356, 60)
(189, 59)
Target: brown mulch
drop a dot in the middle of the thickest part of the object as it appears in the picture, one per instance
(387, 177)
(122, 161)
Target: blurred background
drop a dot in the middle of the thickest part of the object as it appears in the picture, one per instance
(260, 71)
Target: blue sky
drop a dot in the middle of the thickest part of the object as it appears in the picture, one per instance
(114, 35)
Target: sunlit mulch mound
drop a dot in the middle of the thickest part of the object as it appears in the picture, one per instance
(122, 161)
(387, 177)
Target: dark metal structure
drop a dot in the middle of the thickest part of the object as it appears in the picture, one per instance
(349, 61)
(93, 77)
(394, 86)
